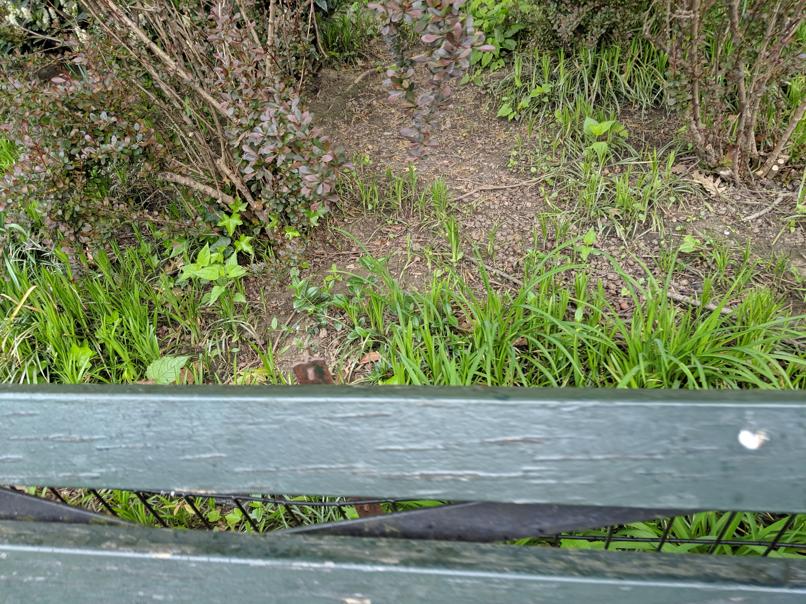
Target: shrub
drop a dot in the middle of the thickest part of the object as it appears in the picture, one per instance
(224, 119)
(499, 21)
(730, 61)
(36, 21)
(84, 155)
(245, 126)
(449, 39)
(567, 23)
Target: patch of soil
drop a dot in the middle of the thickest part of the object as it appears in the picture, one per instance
(499, 208)
(472, 151)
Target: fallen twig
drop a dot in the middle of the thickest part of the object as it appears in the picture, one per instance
(766, 210)
(525, 183)
(694, 302)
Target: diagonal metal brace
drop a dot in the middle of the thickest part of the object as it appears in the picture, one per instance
(19, 506)
(486, 521)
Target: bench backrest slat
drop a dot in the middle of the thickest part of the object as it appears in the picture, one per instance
(617, 448)
(99, 564)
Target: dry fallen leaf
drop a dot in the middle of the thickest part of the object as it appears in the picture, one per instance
(371, 357)
(711, 184)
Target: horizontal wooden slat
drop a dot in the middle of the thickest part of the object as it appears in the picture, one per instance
(604, 447)
(71, 563)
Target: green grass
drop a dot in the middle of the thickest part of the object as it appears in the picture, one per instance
(8, 154)
(558, 329)
(704, 526)
(542, 82)
(107, 319)
(346, 33)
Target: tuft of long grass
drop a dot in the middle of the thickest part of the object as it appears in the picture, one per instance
(546, 81)
(108, 319)
(346, 33)
(8, 154)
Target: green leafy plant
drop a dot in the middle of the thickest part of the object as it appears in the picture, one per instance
(210, 266)
(498, 21)
(586, 245)
(454, 238)
(690, 244)
(230, 222)
(85, 154)
(166, 370)
(602, 134)
(514, 106)
(76, 364)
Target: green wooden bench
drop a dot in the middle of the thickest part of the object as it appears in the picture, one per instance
(529, 460)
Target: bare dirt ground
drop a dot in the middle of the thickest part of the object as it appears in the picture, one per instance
(472, 152)
(499, 203)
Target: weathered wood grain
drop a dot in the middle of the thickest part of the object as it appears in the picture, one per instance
(70, 563)
(604, 447)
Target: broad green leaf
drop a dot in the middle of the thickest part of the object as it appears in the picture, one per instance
(589, 238)
(604, 127)
(214, 294)
(188, 271)
(600, 148)
(203, 259)
(505, 110)
(230, 223)
(690, 244)
(232, 269)
(589, 125)
(595, 129)
(166, 370)
(210, 273)
(538, 90)
(244, 244)
(237, 206)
